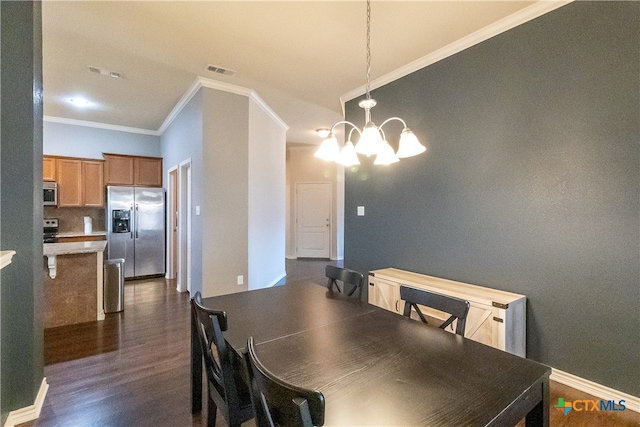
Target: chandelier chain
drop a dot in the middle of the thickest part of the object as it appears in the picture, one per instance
(368, 88)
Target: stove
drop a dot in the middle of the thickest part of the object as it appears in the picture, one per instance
(50, 230)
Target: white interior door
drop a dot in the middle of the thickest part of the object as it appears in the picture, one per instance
(313, 220)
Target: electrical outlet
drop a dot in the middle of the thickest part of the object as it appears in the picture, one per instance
(241, 280)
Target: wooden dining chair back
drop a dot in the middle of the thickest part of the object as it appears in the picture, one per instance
(455, 307)
(227, 390)
(278, 403)
(354, 279)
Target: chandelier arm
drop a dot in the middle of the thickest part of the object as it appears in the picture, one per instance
(390, 119)
(351, 131)
(346, 122)
(384, 137)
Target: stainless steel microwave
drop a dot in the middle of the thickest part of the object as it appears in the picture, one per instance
(50, 193)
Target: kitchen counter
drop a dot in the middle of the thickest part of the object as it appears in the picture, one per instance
(73, 288)
(50, 249)
(5, 258)
(81, 234)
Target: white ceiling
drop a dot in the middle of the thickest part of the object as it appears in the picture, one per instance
(300, 57)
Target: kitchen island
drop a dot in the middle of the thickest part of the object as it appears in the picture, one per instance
(73, 282)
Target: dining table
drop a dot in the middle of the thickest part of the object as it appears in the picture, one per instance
(376, 367)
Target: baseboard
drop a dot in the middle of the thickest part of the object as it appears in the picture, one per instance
(275, 282)
(595, 389)
(31, 412)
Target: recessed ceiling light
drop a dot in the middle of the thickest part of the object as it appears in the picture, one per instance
(79, 102)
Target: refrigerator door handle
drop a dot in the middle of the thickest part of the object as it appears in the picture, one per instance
(136, 222)
(131, 228)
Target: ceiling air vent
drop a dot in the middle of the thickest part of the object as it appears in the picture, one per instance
(104, 72)
(220, 70)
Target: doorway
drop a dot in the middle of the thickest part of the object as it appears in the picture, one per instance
(182, 221)
(313, 220)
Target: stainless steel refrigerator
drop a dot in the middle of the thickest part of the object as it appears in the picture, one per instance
(135, 229)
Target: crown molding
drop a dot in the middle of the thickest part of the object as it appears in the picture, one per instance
(99, 125)
(527, 14)
(201, 82)
(191, 91)
(256, 98)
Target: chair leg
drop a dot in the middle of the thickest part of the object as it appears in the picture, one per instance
(212, 411)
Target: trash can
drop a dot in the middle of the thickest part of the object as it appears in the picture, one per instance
(113, 289)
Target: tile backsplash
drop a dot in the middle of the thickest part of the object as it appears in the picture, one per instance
(71, 220)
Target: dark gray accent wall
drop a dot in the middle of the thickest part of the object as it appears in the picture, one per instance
(531, 183)
(21, 330)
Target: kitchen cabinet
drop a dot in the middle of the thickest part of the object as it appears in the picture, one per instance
(69, 178)
(496, 318)
(132, 170)
(80, 182)
(48, 168)
(93, 183)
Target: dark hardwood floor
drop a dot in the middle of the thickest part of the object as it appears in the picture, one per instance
(132, 369)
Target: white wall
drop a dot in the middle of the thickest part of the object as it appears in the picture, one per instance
(267, 204)
(61, 139)
(224, 209)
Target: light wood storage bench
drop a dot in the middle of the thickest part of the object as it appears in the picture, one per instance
(496, 318)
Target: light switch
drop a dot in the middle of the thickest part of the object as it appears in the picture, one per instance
(360, 210)
(197, 210)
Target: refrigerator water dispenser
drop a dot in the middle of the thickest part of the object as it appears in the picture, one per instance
(120, 221)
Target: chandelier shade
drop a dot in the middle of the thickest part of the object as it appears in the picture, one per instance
(409, 145)
(386, 155)
(348, 156)
(329, 149)
(372, 138)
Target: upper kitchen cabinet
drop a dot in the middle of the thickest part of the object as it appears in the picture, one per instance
(80, 182)
(93, 183)
(118, 170)
(132, 170)
(48, 168)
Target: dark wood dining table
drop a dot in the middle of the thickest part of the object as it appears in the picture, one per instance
(376, 367)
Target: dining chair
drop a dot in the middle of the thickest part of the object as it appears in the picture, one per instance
(226, 389)
(455, 307)
(278, 403)
(346, 276)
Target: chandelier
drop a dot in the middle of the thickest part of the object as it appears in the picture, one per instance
(373, 140)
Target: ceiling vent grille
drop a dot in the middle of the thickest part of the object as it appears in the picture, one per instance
(104, 72)
(220, 70)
